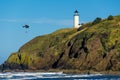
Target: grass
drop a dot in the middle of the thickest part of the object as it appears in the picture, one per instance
(49, 47)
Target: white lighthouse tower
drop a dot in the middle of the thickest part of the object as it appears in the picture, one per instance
(76, 19)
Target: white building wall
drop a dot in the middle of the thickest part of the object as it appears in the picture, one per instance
(76, 21)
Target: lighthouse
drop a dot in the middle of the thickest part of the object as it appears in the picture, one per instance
(76, 19)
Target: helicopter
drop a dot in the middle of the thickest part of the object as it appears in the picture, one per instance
(26, 27)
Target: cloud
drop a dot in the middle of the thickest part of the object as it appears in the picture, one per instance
(8, 20)
(55, 22)
(65, 22)
(40, 21)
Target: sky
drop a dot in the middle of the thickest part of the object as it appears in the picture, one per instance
(44, 17)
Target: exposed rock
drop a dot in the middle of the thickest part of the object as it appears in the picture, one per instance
(96, 47)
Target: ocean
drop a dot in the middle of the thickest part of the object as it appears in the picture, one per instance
(54, 76)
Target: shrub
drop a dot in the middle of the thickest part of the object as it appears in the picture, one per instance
(110, 17)
(97, 20)
(82, 24)
(80, 28)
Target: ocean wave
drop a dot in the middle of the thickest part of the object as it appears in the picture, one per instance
(41, 75)
(24, 78)
(11, 75)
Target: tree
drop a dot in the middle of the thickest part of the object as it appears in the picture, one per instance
(97, 20)
(110, 17)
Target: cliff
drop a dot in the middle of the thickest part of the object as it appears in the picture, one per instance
(91, 47)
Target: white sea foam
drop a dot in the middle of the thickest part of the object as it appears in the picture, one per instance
(24, 78)
(35, 75)
(9, 75)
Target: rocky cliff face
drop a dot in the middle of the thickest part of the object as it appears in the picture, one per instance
(94, 47)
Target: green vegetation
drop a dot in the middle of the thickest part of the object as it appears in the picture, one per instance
(110, 17)
(94, 46)
(97, 20)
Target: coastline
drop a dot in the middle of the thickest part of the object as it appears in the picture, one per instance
(66, 71)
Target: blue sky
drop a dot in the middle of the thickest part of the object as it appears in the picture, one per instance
(44, 17)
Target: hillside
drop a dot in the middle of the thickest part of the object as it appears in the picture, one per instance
(94, 47)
